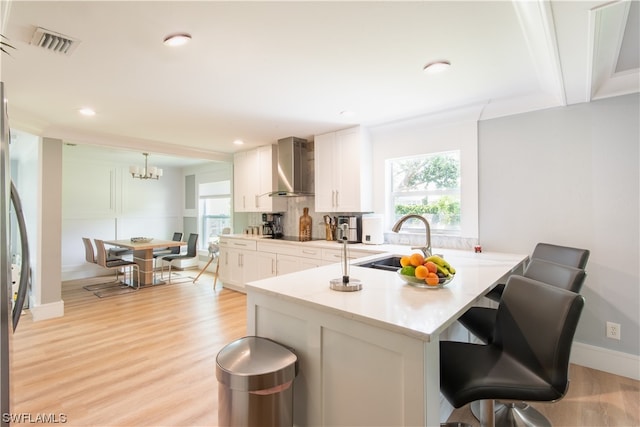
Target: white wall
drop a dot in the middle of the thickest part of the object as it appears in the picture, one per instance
(570, 176)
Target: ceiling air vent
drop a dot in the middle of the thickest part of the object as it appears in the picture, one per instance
(54, 42)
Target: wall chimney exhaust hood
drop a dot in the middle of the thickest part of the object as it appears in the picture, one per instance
(295, 171)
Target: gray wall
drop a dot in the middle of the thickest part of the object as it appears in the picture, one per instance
(570, 176)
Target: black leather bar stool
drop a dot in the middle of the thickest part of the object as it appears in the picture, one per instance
(528, 359)
(566, 255)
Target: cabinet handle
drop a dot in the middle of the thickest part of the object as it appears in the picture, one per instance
(309, 252)
(240, 260)
(337, 199)
(257, 203)
(333, 198)
(273, 267)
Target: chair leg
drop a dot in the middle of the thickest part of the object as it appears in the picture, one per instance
(170, 262)
(215, 277)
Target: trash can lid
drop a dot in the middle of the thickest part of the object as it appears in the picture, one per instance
(255, 363)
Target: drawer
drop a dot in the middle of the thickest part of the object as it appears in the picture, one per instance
(335, 255)
(231, 243)
(299, 249)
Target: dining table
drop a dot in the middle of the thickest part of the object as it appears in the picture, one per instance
(143, 255)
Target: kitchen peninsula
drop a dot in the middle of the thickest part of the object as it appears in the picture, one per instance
(369, 357)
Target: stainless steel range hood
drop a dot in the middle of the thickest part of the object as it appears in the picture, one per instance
(295, 168)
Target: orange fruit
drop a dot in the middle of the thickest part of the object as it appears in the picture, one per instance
(404, 261)
(416, 259)
(432, 279)
(431, 266)
(421, 272)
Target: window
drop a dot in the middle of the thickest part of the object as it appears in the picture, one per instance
(427, 185)
(214, 210)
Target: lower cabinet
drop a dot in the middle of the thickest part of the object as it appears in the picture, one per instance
(246, 260)
(291, 264)
(265, 266)
(238, 258)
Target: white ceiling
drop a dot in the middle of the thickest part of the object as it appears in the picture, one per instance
(263, 70)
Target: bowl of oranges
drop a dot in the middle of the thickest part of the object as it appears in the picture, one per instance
(432, 272)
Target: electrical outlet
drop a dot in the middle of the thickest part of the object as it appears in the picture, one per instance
(613, 330)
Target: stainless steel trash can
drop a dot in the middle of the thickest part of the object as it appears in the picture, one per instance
(255, 378)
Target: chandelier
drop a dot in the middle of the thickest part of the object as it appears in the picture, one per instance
(146, 172)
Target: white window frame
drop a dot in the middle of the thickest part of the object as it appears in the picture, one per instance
(422, 193)
(428, 135)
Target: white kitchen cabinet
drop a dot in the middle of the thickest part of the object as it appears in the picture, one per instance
(265, 265)
(291, 258)
(254, 177)
(238, 258)
(290, 263)
(343, 176)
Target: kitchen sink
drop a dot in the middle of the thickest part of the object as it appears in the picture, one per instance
(391, 263)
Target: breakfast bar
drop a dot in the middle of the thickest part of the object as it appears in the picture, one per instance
(369, 357)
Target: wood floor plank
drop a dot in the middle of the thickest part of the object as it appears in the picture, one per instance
(148, 359)
(139, 359)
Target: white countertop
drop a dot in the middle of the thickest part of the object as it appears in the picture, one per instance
(385, 300)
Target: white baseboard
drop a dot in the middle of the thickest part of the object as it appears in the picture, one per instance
(46, 311)
(603, 359)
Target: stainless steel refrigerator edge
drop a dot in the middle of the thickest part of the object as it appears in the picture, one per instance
(9, 313)
(5, 263)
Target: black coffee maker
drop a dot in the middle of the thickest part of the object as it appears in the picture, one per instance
(272, 225)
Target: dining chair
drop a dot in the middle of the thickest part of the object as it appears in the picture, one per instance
(528, 359)
(90, 257)
(192, 252)
(566, 255)
(173, 250)
(115, 263)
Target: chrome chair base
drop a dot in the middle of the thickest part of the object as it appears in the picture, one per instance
(519, 414)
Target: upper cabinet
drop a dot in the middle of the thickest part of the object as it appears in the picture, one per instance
(254, 177)
(343, 177)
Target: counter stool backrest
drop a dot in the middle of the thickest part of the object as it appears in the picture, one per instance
(559, 275)
(573, 257)
(535, 324)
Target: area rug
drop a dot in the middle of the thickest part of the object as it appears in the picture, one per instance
(105, 290)
(104, 285)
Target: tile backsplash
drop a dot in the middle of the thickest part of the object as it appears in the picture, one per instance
(295, 206)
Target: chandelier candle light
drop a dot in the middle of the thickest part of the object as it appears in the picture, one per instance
(146, 172)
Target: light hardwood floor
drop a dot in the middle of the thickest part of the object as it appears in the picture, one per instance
(148, 359)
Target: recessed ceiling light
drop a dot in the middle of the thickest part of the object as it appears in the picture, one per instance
(436, 67)
(87, 112)
(238, 142)
(177, 39)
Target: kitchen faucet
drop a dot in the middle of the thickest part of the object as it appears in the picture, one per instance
(426, 250)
